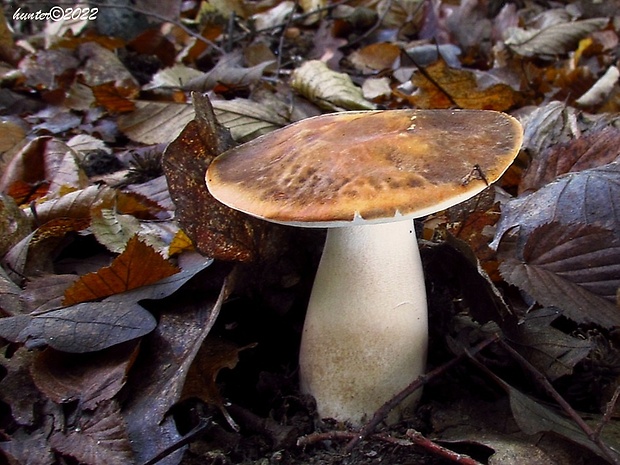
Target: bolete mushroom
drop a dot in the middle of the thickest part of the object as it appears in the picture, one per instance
(365, 175)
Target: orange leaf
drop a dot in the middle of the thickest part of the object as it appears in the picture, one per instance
(440, 86)
(139, 265)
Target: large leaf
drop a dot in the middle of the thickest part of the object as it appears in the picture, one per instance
(85, 327)
(554, 40)
(575, 267)
(587, 197)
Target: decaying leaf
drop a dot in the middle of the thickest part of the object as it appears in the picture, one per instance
(551, 351)
(328, 89)
(139, 265)
(99, 438)
(85, 327)
(439, 86)
(247, 119)
(593, 149)
(554, 40)
(88, 378)
(217, 231)
(575, 267)
(155, 122)
(160, 375)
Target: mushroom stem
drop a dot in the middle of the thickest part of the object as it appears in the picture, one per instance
(366, 333)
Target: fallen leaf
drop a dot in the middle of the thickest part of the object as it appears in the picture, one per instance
(581, 198)
(328, 89)
(575, 267)
(85, 327)
(155, 122)
(593, 149)
(159, 375)
(139, 265)
(554, 40)
(99, 438)
(246, 119)
(439, 86)
(376, 57)
(551, 351)
(88, 378)
(216, 230)
(17, 389)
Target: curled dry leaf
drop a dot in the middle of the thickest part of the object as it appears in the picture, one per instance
(328, 89)
(139, 265)
(554, 40)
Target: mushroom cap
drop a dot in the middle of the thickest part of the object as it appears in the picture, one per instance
(366, 166)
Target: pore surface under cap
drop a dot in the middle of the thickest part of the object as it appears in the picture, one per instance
(371, 165)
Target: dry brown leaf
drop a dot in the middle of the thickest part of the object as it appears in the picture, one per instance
(88, 378)
(376, 57)
(155, 122)
(439, 86)
(139, 265)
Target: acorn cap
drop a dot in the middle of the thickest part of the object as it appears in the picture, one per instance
(366, 166)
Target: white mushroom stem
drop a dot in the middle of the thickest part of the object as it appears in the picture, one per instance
(366, 333)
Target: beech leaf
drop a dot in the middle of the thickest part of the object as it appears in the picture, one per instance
(139, 265)
(554, 40)
(247, 119)
(155, 122)
(100, 437)
(572, 266)
(85, 327)
(328, 89)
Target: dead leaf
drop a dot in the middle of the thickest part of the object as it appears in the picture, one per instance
(155, 122)
(85, 327)
(139, 265)
(214, 355)
(376, 57)
(439, 86)
(328, 89)
(159, 375)
(247, 119)
(554, 40)
(99, 438)
(14, 225)
(575, 267)
(17, 388)
(593, 149)
(551, 351)
(217, 231)
(88, 378)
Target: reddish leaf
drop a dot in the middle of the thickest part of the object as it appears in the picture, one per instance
(574, 267)
(217, 231)
(100, 438)
(139, 265)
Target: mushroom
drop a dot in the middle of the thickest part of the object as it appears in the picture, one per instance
(365, 175)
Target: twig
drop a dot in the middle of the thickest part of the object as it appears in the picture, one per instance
(414, 439)
(200, 428)
(385, 409)
(546, 384)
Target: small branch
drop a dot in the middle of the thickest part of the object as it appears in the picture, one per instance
(609, 410)
(419, 440)
(546, 384)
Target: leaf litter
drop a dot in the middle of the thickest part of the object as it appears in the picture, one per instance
(143, 322)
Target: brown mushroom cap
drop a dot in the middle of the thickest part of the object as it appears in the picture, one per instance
(366, 166)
